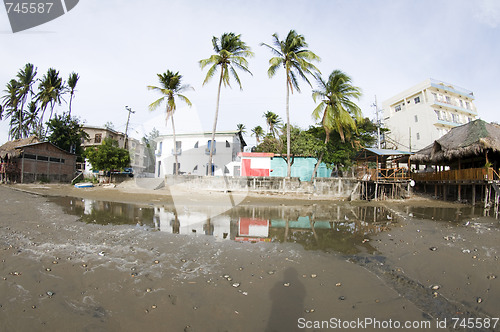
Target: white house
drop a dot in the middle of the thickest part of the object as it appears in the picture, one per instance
(422, 114)
(193, 151)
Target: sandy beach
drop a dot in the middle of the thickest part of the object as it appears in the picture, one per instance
(60, 274)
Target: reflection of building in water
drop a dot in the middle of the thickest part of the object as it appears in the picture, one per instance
(253, 230)
(189, 222)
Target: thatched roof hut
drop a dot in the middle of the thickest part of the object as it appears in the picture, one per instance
(12, 149)
(475, 141)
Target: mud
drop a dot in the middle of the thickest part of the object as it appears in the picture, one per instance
(59, 273)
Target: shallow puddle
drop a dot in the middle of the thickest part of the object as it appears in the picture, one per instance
(341, 228)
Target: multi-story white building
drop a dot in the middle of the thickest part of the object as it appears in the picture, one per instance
(422, 114)
(193, 151)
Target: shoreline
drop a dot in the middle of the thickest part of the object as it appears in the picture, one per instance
(135, 195)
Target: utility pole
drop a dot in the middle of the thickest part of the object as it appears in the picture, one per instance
(378, 122)
(126, 127)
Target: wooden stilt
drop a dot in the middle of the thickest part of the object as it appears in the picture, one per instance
(473, 194)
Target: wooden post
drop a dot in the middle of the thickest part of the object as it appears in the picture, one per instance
(473, 194)
(486, 196)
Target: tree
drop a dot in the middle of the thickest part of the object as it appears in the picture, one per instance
(303, 143)
(25, 78)
(10, 105)
(292, 54)
(340, 154)
(108, 156)
(241, 128)
(336, 109)
(67, 133)
(50, 92)
(258, 132)
(171, 88)
(273, 122)
(230, 54)
(72, 80)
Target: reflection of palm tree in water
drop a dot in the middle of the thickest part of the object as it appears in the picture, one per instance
(287, 303)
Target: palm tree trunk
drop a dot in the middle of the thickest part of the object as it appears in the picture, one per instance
(289, 166)
(327, 139)
(210, 159)
(317, 166)
(70, 100)
(175, 147)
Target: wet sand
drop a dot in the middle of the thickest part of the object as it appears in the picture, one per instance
(61, 274)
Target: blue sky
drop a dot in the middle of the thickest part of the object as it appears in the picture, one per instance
(118, 47)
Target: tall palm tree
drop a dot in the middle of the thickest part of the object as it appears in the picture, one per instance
(336, 109)
(50, 92)
(258, 132)
(72, 80)
(292, 54)
(273, 122)
(171, 88)
(25, 78)
(230, 54)
(11, 103)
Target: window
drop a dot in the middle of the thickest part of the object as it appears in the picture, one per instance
(42, 158)
(418, 136)
(438, 113)
(97, 138)
(467, 105)
(29, 156)
(397, 108)
(178, 148)
(461, 103)
(416, 118)
(160, 147)
(417, 100)
(448, 99)
(209, 145)
(55, 160)
(454, 118)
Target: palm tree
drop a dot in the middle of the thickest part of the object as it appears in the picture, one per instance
(258, 132)
(171, 88)
(72, 80)
(336, 110)
(241, 128)
(25, 78)
(273, 122)
(292, 54)
(230, 54)
(50, 92)
(11, 103)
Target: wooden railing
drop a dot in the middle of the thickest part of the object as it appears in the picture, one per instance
(470, 174)
(389, 174)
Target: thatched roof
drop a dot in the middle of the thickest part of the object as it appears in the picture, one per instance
(471, 139)
(11, 148)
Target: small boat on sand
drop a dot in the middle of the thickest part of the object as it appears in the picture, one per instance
(84, 185)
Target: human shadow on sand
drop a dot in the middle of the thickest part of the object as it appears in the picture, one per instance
(287, 298)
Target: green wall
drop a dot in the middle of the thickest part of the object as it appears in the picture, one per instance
(302, 168)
